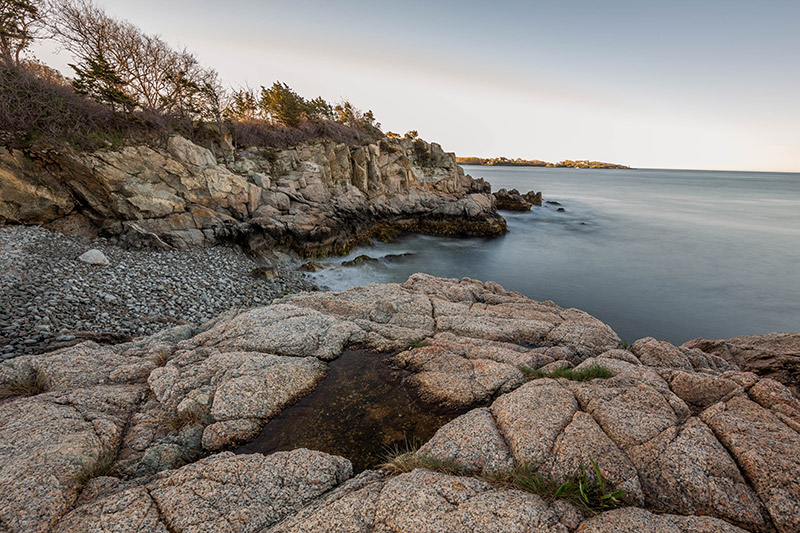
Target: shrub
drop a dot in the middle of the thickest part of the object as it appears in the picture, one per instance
(28, 384)
(261, 133)
(36, 109)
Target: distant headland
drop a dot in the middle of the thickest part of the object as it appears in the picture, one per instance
(506, 162)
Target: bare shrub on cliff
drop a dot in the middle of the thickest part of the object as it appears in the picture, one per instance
(261, 133)
(33, 108)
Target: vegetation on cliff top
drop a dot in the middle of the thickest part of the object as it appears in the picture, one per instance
(518, 162)
(130, 86)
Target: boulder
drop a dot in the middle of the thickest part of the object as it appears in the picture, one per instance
(94, 257)
(533, 198)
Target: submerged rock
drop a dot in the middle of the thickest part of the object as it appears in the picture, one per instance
(696, 443)
(360, 260)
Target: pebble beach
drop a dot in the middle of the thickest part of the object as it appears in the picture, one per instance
(48, 298)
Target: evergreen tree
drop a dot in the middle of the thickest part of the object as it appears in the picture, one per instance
(283, 104)
(319, 108)
(243, 105)
(98, 80)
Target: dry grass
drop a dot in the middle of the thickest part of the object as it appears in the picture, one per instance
(161, 358)
(190, 417)
(29, 384)
(104, 465)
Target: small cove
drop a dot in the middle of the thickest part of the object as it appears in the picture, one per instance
(361, 409)
(673, 254)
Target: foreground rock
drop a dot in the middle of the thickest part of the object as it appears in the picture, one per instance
(312, 199)
(775, 356)
(696, 443)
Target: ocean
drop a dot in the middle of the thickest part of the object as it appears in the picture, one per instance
(673, 254)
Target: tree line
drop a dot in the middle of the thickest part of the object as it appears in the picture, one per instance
(140, 76)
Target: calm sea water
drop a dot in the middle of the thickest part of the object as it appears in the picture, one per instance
(674, 254)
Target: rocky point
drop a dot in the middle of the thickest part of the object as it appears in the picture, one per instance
(133, 437)
(312, 199)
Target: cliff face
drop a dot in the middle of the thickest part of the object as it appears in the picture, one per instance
(313, 198)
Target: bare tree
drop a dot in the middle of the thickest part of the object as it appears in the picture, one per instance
(156, 76)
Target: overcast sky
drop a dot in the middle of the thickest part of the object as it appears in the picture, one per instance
(678, 84)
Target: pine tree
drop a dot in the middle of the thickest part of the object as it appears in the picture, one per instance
(98, 80)
(283, 104)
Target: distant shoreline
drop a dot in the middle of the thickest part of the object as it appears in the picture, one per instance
(567, 163)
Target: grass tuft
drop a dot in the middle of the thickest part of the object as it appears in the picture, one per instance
(30, 384)
(161, 358)
(583, 490)
(592, 371)
(403, 459)
(421, 343)
(588, 491)
(104, 465)
(190, 417)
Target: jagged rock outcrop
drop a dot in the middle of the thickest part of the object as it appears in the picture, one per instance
(314, 198)
(512, 200)
(533, 198)
(696, 443)
(775, 356)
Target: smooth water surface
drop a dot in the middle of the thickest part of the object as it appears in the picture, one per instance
(673, 254)
(361, 410)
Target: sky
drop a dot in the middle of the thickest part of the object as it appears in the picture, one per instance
(696, 84)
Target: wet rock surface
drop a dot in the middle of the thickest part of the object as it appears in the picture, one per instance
(128, 437)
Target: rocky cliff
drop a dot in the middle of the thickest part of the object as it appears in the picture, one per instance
(314, 198)
(96, 438)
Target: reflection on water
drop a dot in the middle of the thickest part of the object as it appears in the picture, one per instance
(359, 411)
